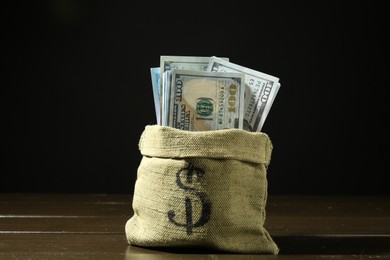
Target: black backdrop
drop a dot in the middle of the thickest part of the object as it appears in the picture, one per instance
(76, 89)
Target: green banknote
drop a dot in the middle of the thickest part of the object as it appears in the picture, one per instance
(260, 92)
(202, 100)
(167, 64)
(155, 76)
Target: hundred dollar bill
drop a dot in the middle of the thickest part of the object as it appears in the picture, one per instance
(260, 92)
(184, 63)
(165, 96)
(155, 75)
(201, 100)
(170, 62)
(199, 63)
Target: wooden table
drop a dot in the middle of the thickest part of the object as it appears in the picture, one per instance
(91, 226)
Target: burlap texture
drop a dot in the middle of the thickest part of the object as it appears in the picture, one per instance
(202, 189)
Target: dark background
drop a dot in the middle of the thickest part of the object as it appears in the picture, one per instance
(77, 94)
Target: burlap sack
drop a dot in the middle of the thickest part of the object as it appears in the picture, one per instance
(202, 189)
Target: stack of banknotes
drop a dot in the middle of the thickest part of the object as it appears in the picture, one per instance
(211, 93)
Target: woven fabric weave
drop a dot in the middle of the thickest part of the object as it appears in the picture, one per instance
(202, 189)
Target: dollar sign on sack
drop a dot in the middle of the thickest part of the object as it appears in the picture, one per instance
(189, 172)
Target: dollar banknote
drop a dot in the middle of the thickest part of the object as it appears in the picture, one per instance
(260, 92)
(165, 96)
(170, 62)
(201, 100)
(155, 76)
(198, 63)
(183, 62)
